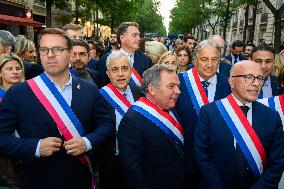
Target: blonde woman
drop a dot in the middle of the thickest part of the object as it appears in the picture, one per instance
(155, 50)
(25, 49)
(11, 72)
(169, 58)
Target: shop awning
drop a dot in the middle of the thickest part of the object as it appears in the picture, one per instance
(13, 20)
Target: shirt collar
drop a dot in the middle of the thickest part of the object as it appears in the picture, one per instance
(69, 82)
(267, 81)
(212, 80)
(249, 104)
(122, 50)
(127, 91)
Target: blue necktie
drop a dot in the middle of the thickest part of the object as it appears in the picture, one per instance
(205, 85)
(236, 59)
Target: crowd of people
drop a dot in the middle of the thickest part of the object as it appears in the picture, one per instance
(132, 113)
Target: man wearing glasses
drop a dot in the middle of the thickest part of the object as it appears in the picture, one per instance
(60, 121)
(239, 143)
(264, 56)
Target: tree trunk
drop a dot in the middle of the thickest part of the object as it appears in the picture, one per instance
(277, 24)
(226, 20)
(76, 12)
(246, 24)
(251, 36)
(48, 6)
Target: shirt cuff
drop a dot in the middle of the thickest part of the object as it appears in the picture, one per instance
(37, 154)
(88, 143)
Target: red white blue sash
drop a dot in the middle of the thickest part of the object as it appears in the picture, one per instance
(115, 98)
(135, 77)
(2, 92)
(275, 103)
(195, 89)
(244, 133)
(162, 119)
(64, 117)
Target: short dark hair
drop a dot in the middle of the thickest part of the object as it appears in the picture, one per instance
(250, 44)
(263, 47)
(80, 42)
(189, 37)
(56, 31)
(122, 29)
(72, 26)
(237, 43)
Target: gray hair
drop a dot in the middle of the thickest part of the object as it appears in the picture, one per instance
(7, 39)
(205, 43)
(115, 55)
(152, 76)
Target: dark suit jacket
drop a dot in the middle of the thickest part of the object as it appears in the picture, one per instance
(217, 157)
(229, 58)
(107, 162)
(141, 63)
(276, 87)
(189, 117)
(21, 110)
(32, 70)
(150, 158)
(93, 64)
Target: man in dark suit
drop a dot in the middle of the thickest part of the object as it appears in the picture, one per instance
(264, 55)
(79, 61)
(207, 55)
(129, 37)
(237, 53)
(239, 143)
(150, 138)
(60, 120)
(120, 95)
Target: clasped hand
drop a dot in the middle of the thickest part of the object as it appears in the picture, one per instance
(52, 145)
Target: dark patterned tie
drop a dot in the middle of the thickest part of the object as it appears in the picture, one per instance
(205, 85)
(245, 109)
(235, 59)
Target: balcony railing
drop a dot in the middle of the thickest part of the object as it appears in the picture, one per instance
(264, 18)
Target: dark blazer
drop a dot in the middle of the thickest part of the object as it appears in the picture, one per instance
(229, 58)
(31, 70)
(93, 64)
(107, 158)
(189, 117)
(150, 158)
(276, 87)
(141, 63)
(217, 156)
(21, 110)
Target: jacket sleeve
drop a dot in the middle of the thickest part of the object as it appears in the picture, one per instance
(202, 152)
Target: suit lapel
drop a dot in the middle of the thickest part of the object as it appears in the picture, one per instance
(134, 91)
(219, 87)
(76, 95)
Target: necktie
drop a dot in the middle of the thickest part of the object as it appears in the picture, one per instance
(245, 109)
(205, 85)
(241, 164)
(260, 96)
(131, 56)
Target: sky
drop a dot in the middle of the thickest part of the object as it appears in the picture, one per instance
(165, 9)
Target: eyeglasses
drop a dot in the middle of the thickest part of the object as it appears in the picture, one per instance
(55, 50)
(249, 78)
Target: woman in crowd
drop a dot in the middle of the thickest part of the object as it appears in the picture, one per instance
(169, 58)
(11, 72)
(25, 49)
(155, 50)
(183, 58)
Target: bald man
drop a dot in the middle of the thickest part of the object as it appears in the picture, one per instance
(238, 141)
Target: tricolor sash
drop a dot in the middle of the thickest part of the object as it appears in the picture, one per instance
(195, 89)
(244, 133)
(162, 119)
(275, 103)
(67, 122)
(135, 77)
(115, 98)
(2, 92)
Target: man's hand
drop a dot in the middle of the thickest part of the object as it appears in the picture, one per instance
(75, 146)
(49, 146)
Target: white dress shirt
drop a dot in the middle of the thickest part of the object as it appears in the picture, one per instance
(211, 87)
(266, 88)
